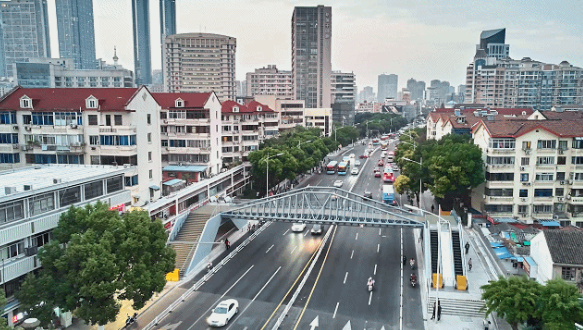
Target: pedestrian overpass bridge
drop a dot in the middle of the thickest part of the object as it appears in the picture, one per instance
(324, 205)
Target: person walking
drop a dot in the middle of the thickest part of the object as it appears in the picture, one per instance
(438, 310)
(434, 310)
(432, 208)
(227, 244)
(486, 324)
(467, 247)
(470, 264)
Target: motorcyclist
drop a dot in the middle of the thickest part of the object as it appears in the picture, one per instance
(370, 282)
(404, 260)
(413, 278)
(412, 262)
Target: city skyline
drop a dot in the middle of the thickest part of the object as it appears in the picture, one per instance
(442, 40)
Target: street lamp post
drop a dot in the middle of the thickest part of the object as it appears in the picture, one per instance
(267, 176)
(420, 163)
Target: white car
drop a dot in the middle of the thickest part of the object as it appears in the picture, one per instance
(224, 312)
(354, 171)
(298, 227)
(357, 163)
(338, 183)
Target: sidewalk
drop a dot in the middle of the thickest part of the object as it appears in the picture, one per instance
(482, 272)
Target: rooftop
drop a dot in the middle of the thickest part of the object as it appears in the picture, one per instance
(191, 100)
(251, 107)
(565, 246)
(40, 177)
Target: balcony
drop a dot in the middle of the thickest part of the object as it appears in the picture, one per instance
(500, 184)
(186, 121)
(19, 266)
(575, 200)
(504, 167)
(186, 150)
(118, 130)
(499, 199)
(497, 151)
(116, 150)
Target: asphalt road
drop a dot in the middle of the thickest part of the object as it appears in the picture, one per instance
(264, 275)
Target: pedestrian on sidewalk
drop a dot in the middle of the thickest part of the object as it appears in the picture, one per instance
(467, 247)
(432, 208)
(434, 310)
(470, 264)
(438, 310)
(486, 324)
(227, 244)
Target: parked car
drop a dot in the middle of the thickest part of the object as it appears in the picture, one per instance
(338, 183)
(224, 312)
(298, 227)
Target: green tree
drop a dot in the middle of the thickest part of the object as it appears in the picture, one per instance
(98, 257)
(401, 184)
(514, 299)
(560, 305)
(3, 321)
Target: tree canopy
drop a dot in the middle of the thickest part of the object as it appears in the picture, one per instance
(3, 321)
(378, 122)
(520, 300)
(97, 258)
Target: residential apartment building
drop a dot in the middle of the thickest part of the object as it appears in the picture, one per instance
(270, 81)
(97, 126)
(343, 97)
(142, 52)
(60, 73)
(76, 32)
(244, 127)
(492, 42)
(320, 118)
(31, 202)
(190, 126)
(311, 55)
(372, 107)
(387, 87)
(24, 33)
(534, 167)
(290, 112)
(367, 95)
(200, 63)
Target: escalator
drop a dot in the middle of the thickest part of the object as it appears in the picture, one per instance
(457, 253)
(434, 250)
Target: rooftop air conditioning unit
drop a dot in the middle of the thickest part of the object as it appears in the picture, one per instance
(9, 190)
(27, 187)
(562, 182)
(15, 127)
(93, 148)
(15, 146)
(524, 200)
(522, 168)
(560, 199)
(28, 127)
(73, 125)
(57, 181)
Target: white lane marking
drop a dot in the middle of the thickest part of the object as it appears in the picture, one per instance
(221, 298)
(352, 254)
(379, 231)
(345, 276)
(271, 247)
(285, 232)
(357, 236)
(306, 233)
(335, 310)
(292, 251)
(370, 298)
(375, 269)
(378, 247)
(257, 295)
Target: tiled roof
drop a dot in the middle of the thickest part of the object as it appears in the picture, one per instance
(69, 99)
(191, 100)
(567, 127)
(251, 107)
(565, 246)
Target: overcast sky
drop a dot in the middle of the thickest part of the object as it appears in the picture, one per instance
(412, 38)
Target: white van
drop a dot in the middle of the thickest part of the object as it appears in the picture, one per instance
(383, 154)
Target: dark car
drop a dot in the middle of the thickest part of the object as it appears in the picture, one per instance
(367, 194)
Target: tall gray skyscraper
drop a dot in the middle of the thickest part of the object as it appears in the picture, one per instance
(167, 22)
(387, 87)
(417, 89)
(311, 55)
(24, 32)
(142, 54)
(76, 32)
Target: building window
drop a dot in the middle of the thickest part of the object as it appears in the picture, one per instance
(9, 158)
(149, 156)
(523, 209)
(500, 160)
(544, 177)
(69, 196)
(149, 119)
(563, 145)
(235, 109)
(93, 189)
(577, 160)
(561, 160)
(7, 118)
(151, 174)
(149, 137)
(92, 120)
(94, 140)
(91, 103)
(118, 120)
(525, 145)
(523, 177)
(498, 208)
(568, 273)
(499, 176)
(179, 103)
(560, 192)
(578, 143)
(525, 161)
(546, 192)
(502, 143)
(545, 160)
(40, 204)
(542, 208)
(11, 211)
(114, 184)
(26, 103)
(560, 175)
(547, 144)
(259, 108)
(8, 138)
(12, 251)
(523, 193)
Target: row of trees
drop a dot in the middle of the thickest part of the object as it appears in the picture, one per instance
(299, 150)
(380, 123)
(450, 167)
(522, 301)
(95, 259)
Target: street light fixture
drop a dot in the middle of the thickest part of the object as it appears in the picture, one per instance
(267, 176)
(300, 143)
(420, 163)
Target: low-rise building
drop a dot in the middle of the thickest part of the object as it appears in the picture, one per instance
(558, 254)
(320, 118)
(97, 126)
(244, 127)
(290, 112)
(32, 200)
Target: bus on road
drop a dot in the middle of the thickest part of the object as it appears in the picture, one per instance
(375, 142)
(389, 195)
(332, 167)
(384, 145)
(390, 156)
(388, 175)
(343, 168)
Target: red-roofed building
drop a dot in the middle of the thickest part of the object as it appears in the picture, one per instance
(534, 167)
(97, 126)
(245, 126)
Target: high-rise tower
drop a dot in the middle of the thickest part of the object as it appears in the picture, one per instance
(167, 22)
(24, 32)
(76, 32)
(311, 55)
(142, 54)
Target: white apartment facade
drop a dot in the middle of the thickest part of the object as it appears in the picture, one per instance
(31, 202)
(320, 118)
(270, 81)
(97, 126)
(190, 126)
(200, 63)
(244, 127)
(290, 113)
(534, 168)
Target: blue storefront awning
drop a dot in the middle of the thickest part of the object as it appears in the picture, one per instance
(154, 187)
(172, 182)
(550, 223)
(502, 253)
